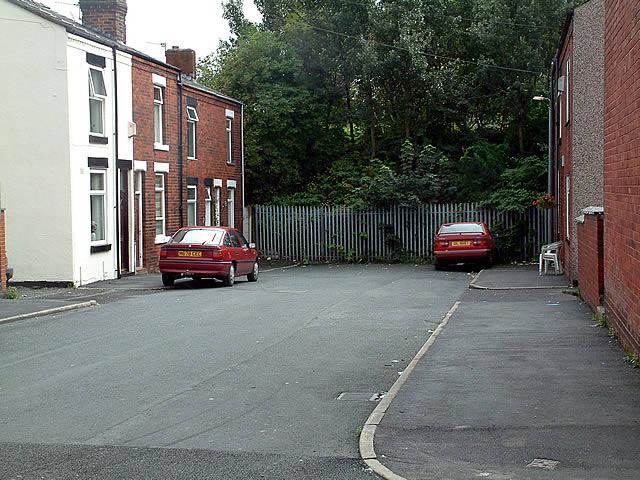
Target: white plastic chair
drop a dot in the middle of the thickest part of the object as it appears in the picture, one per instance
(550, 254)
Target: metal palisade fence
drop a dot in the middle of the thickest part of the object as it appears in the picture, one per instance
(321, 234)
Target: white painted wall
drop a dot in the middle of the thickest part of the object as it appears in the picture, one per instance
(34, 146)
(90, 267)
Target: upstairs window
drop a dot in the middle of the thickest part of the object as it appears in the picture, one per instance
(192, 118)
(229, 140)
(97, 96)
(567, 93)
(158, 107)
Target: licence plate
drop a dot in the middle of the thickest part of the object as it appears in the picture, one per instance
(189, 253)
(460, 244)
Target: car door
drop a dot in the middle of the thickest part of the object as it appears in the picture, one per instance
(244, 254)
(237, 253)
(248, 254)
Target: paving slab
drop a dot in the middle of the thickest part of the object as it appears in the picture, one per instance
(519, 385)
(517, 278)
(13, 308)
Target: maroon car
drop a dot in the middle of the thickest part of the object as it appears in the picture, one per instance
(208, 252)
(463, 242)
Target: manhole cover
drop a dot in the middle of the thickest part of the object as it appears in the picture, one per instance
(360, 396)
(544, 464)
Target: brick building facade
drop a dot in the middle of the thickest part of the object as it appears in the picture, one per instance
(622, 169)
(604, 167)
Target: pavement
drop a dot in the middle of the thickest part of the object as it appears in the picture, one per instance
(520, 384)
(516, 278)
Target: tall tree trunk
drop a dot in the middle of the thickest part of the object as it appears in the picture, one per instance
(349, 112)
(372, 119)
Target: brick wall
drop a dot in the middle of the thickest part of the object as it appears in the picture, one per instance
(3, 255)
(591, 259)
(622, 169)
(106, 16)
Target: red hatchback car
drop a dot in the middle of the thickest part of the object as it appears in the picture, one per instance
(463, 242)
(208, 252)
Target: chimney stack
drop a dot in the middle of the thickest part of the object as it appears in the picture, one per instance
(184, 59)
(106, 16)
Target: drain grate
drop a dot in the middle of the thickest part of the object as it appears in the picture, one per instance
(360, 396)
(544, 464)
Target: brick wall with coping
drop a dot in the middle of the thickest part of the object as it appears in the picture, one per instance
(591, 257)
(3, 254)
(622, 170)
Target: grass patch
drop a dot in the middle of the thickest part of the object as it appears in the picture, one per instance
(12, 293)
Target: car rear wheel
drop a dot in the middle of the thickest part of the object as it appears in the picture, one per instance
(230, 279)
(253, 276)
(168, 279)
(437, 264)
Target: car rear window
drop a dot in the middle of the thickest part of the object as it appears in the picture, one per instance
(197, 235)
(462, 228)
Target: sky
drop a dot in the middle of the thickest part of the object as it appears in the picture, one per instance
(196, 24)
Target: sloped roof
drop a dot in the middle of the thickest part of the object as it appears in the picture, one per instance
(88, 33)
(189, 82)
(78, 29)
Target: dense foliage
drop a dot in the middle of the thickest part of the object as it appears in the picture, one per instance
(377, 102)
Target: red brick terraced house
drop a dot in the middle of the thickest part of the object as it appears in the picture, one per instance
(599, 183)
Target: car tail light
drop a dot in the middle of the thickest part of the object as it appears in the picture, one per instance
(442, 243)
(215, 252)
(480, 242)
(163, 253)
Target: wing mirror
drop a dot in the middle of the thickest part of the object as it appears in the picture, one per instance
(252, 245)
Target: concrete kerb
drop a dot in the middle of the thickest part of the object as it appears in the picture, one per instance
(475, 286)
(367, 450)
(49, 311)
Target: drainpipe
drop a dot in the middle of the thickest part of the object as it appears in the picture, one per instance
(115, 160)
(180, 160)
(550, 187)
(242, 167)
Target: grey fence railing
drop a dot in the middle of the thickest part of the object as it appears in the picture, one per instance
(320, 234)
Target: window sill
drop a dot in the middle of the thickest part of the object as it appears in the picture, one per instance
(98, 139)
(160, 146)
(100, 248)
(192, 158)
(161, 239)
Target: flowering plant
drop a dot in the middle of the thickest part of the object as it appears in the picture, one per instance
(545, 201)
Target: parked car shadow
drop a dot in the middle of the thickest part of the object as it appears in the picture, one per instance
(191, 284)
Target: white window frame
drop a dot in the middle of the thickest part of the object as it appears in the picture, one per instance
(93, 95)
(160, 237)
(207, 206)
(192, 119)
(217, 210)
(230, 140)
(560, 119)
(567, 93)
(158, 121)
(99, 193)
(194, 202)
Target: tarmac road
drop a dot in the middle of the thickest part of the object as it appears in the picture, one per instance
(215, 382)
